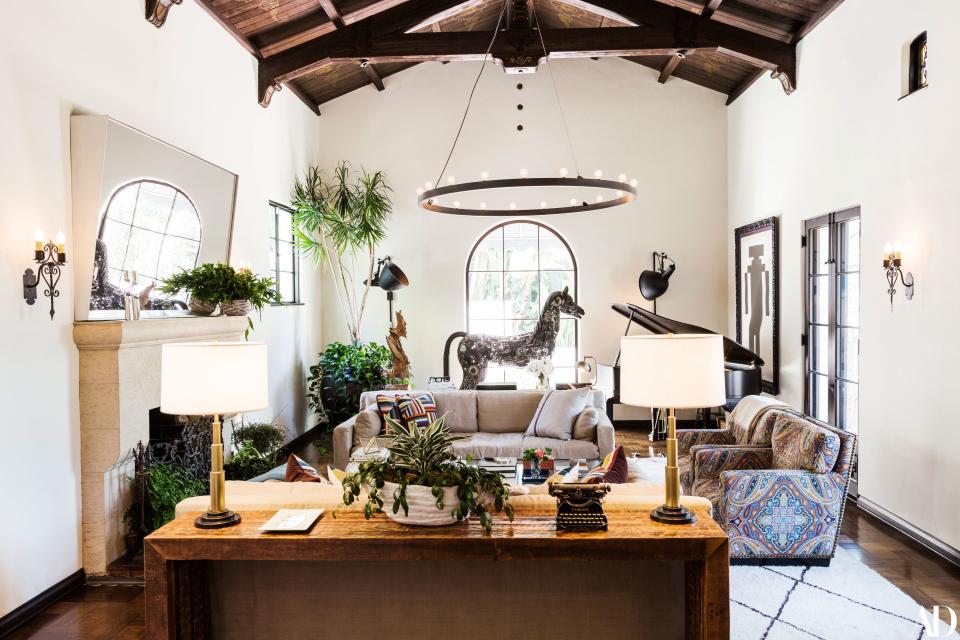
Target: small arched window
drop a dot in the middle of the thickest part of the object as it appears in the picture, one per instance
(511, 270)
(152, 228)
(918, 62)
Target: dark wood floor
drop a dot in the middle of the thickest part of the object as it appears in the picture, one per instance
(108, 612)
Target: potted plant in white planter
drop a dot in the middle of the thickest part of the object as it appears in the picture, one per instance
(423, 483)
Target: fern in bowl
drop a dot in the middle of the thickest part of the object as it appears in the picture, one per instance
(424, 483)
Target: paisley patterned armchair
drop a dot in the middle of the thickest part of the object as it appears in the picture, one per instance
(780, 500)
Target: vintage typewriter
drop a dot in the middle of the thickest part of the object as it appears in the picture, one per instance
(579, 506)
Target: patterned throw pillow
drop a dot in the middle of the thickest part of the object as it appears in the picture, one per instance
(418, 411)
(299, 471)
(613, 469)
(800, 444)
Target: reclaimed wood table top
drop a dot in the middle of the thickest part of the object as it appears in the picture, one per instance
(350, 536)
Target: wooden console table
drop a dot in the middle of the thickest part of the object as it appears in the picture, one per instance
(182, 560)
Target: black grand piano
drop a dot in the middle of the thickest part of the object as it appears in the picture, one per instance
(742, 365)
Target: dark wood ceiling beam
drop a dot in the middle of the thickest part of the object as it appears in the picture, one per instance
(207, 5)
(710, 8)
(817, 18)
(761, 51)
(340, 47)
(372, 74)
(332, 13)
(599, 11)
(670, 66)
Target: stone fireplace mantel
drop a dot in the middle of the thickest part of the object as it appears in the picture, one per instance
(119, 384)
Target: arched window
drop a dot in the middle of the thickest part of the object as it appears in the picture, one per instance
(151, 228)
(512, 268)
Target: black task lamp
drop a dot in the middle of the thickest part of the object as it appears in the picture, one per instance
(390, 278)
(654, 283)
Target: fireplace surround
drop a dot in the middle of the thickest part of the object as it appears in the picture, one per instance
(119, 385)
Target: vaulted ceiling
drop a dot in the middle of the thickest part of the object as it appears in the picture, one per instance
(322, 49)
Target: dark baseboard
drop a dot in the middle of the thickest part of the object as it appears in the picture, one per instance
(31, 608)
(920, 536)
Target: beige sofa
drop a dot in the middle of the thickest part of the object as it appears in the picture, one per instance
(493, 423)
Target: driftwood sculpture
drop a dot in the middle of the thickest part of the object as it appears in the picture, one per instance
(476, 352)
(401, 363)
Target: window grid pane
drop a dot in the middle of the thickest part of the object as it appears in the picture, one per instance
(284, 255)
(511, 271)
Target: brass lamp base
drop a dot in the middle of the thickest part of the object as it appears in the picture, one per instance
(672, 515)
(217, 520)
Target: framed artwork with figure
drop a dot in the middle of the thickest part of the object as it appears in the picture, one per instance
(757, 249)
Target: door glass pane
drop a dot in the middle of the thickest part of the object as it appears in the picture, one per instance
(521, 295)
(819, 397)
(848, 406)
(520, 254)
(819, 345)
(848, 236)
(553, 253)
(848, 352)
(818, 241)
(848, 300)
(819, 300)
(488, 256)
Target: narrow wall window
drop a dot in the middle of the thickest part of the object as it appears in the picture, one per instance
(284, 256)
(918, 62)
(510, 272)
(832, 308)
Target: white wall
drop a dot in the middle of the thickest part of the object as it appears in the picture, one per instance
(671, 137)
(188, 84)
(844, 139)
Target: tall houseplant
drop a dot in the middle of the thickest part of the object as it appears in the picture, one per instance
(340, 222)
(425, 481)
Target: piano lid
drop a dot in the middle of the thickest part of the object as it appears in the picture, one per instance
(733, 352)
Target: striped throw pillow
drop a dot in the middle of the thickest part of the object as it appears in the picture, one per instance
(413, 411)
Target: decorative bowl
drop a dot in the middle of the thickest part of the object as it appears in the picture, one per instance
(422, 505)
(235, 308)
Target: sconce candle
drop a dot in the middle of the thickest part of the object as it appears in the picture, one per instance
(50, 256)
(892, 260)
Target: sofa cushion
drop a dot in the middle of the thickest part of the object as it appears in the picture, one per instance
(800, 444)
(366, 425)
(489, 445)
(418, 411)
(613, 469)
(557, 412)
(585, 426)
(506, 411)
(563, 449)
(299, 471)
(460, 409)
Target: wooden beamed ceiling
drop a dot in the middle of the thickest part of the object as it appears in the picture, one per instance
(322, 49)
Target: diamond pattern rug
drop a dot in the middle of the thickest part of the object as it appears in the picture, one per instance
(845, 601)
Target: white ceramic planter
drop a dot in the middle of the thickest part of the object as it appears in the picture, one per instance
(422, 505)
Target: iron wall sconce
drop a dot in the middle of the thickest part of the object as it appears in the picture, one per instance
(891, 264)
(50, 256)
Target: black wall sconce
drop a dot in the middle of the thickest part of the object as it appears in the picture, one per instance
(891, 263)
(50, 256)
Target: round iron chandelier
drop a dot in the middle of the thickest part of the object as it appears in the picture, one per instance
(603, 193)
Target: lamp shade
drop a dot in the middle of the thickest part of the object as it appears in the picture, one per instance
(207, 378)
(675, 371)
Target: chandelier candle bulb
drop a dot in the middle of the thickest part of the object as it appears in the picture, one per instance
(38, 237)
(451, 180)
(484, 175)
(564, 172)
(634, 183)
(598, 174)
(523, 173)
(622, 177)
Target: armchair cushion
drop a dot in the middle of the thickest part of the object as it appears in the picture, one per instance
(780, 513)
(800, 444)
(687, 438)
(709, 462)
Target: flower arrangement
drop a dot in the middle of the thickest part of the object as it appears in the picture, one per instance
(537, 460)
(543, 369)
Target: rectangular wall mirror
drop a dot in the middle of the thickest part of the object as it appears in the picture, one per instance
(141, 205)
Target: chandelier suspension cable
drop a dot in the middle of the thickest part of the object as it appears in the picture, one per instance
(556, 92)
(483, 65)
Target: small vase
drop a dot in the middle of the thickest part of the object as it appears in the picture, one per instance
(235, 308)
(201, 307)
(542, 383)
(535, 468)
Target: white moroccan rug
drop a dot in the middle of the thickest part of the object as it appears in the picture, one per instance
(845, 601)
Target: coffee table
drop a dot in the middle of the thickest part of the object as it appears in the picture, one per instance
(558, 465)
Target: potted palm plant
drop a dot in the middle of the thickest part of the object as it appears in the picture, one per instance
(424, 483)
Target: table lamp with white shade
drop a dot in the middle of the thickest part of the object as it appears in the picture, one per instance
(676, 372)
(213, 379)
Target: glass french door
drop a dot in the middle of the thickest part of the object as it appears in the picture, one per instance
(832, 318)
